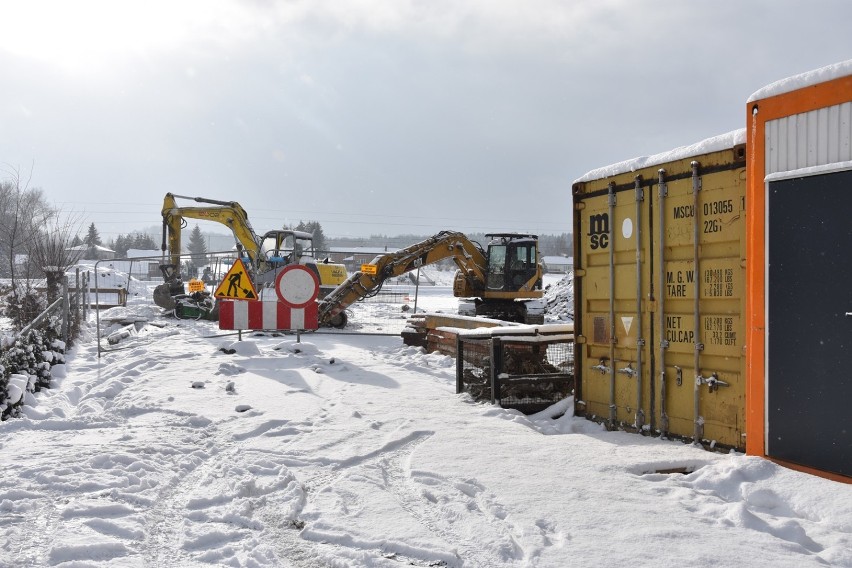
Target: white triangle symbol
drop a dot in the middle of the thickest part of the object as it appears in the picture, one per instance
(627, 322)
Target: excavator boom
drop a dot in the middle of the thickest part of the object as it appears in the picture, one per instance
(477, 276)
(228, 213)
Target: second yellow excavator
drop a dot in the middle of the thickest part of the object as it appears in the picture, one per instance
(504, 281)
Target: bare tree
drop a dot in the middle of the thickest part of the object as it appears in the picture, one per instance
(52, 251)
(23, 215)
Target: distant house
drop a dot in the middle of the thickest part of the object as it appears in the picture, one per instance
(354, 257)
(93, 252)
(145, 263)
(557, 264)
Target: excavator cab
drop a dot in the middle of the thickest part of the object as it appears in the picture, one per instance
(280, 248)
(512, 261)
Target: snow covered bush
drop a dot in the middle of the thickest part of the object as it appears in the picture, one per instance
(25, 367)
(23, 308)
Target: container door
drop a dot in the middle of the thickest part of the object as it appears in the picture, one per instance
(809, 321)
(698, 245)
(613, 357)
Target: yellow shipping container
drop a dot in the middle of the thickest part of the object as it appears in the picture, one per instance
(659, 252)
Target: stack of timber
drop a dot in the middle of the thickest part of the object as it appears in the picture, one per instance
(438, 332)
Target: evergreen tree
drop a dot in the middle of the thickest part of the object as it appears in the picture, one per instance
(315, 229)
(197, 248)
(76, 241)
(144, 241)
(120, 246)
(92, 238)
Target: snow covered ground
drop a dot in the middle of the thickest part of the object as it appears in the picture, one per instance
(188, 449)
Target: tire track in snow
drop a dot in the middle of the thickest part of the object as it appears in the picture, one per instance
(33, 545)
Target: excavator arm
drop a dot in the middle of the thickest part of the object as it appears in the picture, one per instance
(228, 213)
(467, 255)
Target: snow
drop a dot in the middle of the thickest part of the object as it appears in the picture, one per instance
(354, 450)
(803, 80)
(715, 144)
(810, 171)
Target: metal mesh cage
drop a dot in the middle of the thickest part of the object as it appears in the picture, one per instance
(524, 372)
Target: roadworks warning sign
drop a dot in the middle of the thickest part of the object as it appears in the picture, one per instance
(236, 284)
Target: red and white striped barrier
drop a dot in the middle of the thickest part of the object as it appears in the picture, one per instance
(257, 314)
(297, 288)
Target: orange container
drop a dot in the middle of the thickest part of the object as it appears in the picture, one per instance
(799, 273)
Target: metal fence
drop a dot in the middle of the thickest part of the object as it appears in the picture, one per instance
(134, 279)
(527, 369)
(72, 306)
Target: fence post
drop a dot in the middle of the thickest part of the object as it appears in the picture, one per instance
(459, 364)
(86, 298)
(66, 311)
(78, 300)
(496, 367)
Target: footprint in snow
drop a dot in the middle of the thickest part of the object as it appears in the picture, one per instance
(230, 369)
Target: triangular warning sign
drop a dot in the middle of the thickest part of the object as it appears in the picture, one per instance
(236, 284)
(627, 322)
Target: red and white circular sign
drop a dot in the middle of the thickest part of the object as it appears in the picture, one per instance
(297, 286)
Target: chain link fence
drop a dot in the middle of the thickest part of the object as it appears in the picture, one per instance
(525, 369)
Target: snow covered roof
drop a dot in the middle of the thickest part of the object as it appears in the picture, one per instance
(140, 253)
(553, 260)
(363, 250)
(821, 75)
(85, 247)
(714, 144)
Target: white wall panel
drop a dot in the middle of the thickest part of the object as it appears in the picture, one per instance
(814, 138)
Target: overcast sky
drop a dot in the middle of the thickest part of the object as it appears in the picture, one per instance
(378, 116)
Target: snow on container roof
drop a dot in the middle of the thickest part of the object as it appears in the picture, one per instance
(796, 82)
(714, 144)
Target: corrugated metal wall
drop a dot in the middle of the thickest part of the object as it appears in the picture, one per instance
(809, 139)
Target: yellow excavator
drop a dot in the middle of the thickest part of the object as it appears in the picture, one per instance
(263, 255)
(504, 281)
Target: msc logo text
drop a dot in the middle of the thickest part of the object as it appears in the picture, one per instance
(599, 231)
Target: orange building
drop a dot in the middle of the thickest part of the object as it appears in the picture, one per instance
(799, 272)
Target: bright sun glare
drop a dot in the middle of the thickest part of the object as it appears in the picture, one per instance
(87, 35)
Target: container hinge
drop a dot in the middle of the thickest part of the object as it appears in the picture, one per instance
(699, 346)
(602, 367)
(664, 343)
(678, 376)
(712, 382)
(640, 342)
(664, 190)
(579, 339)
(696, 179)
(579, 272)
(611, 199)
(628, 370)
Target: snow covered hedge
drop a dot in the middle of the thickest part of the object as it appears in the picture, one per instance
(26, 362)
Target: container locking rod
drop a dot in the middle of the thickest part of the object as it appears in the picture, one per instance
(628, 370)
(602, 367)
(712, 382)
